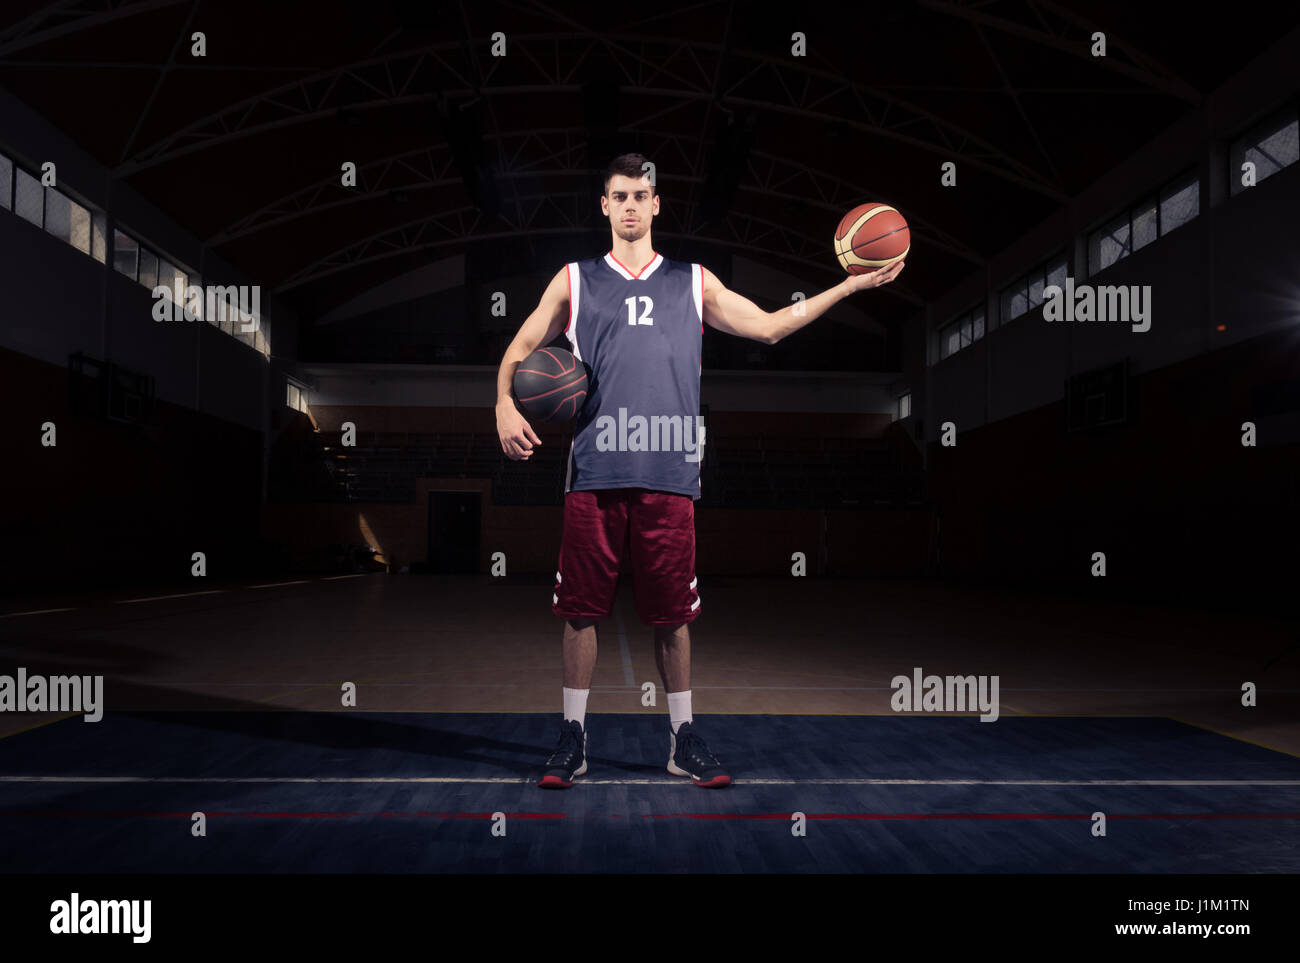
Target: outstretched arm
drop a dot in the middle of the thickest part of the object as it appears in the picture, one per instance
(735, 314)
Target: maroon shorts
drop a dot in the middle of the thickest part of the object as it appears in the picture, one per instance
(661, 529)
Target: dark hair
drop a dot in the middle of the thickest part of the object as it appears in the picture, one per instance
(629, 165)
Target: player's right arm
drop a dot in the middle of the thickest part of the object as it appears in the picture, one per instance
(541, 327)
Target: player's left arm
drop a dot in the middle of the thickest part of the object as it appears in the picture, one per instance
(733, 313)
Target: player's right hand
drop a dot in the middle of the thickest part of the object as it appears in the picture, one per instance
(517, 436)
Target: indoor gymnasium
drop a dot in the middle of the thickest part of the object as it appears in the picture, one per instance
(523, 439)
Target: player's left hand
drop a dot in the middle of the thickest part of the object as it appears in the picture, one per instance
(873, 279)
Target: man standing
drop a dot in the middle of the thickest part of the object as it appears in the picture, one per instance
(637, 320)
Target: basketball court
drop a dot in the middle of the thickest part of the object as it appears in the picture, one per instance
(799, 708)
(994, 564)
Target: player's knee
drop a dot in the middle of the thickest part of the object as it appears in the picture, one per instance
(579, 624)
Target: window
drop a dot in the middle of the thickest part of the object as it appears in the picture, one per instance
(217, 309)
(98, 234)
(904, 405)
(297, 399)
(178, 281)
(148, 268)
(1146, 226)
(229, 315)
(29, 198)
(1179, 203)
(244, 331)
(1108, 245)
(51, 209)
(1027, 293)
(67, 220)
(1173, 206)
(1056, 275)
(1270, 146)
(125, 254)
(961, 333)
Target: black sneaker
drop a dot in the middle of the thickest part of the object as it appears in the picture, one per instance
(689, 756)
(569, 758)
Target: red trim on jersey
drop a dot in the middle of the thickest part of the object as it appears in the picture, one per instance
(625, 267)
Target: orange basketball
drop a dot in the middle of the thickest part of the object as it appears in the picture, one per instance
(871, 236)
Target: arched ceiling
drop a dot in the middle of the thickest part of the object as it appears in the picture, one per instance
(758, 152)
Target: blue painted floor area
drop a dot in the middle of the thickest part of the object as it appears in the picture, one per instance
(628, 814)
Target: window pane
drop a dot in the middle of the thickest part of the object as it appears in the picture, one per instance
(182, 281)
(950, 341)
(964, 327)
(242, 323)
(291, 398)
(148, 268)
(1108, 245)
(124, 254)
(6, 183)
(1035, 291)
(1144, 225)
(1056, 275)
(979, 325)
(167, 277)
(1015, 301)
(67, 220)
(80, 228)
(904, 406)
(1179, 205)
(1272, 152)
(98, 233)
(29, 197)
(58, 214)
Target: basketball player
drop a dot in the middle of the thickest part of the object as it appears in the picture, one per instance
(637, 320)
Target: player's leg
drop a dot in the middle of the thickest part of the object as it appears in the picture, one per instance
(661, 530)
(673, 657)
(580, 645)
(591, 546)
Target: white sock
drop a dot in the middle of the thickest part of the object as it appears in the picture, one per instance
(679, 708)
(575, 705)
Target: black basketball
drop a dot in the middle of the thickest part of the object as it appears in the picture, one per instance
(551, 384)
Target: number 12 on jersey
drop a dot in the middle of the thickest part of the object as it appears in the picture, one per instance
(645, 311)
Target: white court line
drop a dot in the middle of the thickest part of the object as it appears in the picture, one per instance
(182, 595)
(10, 615)
(301, 581)
(334, 578)
(662, 781)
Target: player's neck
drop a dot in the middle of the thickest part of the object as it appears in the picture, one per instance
(633, 255)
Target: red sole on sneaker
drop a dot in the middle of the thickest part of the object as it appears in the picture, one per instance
(717, 782)
(553, 782)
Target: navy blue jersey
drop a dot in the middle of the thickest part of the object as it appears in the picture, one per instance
(640, 426)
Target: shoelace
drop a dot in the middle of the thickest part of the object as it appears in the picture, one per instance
(568, 741)
(692, 745)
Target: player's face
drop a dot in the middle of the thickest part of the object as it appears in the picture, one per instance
(630, 203)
